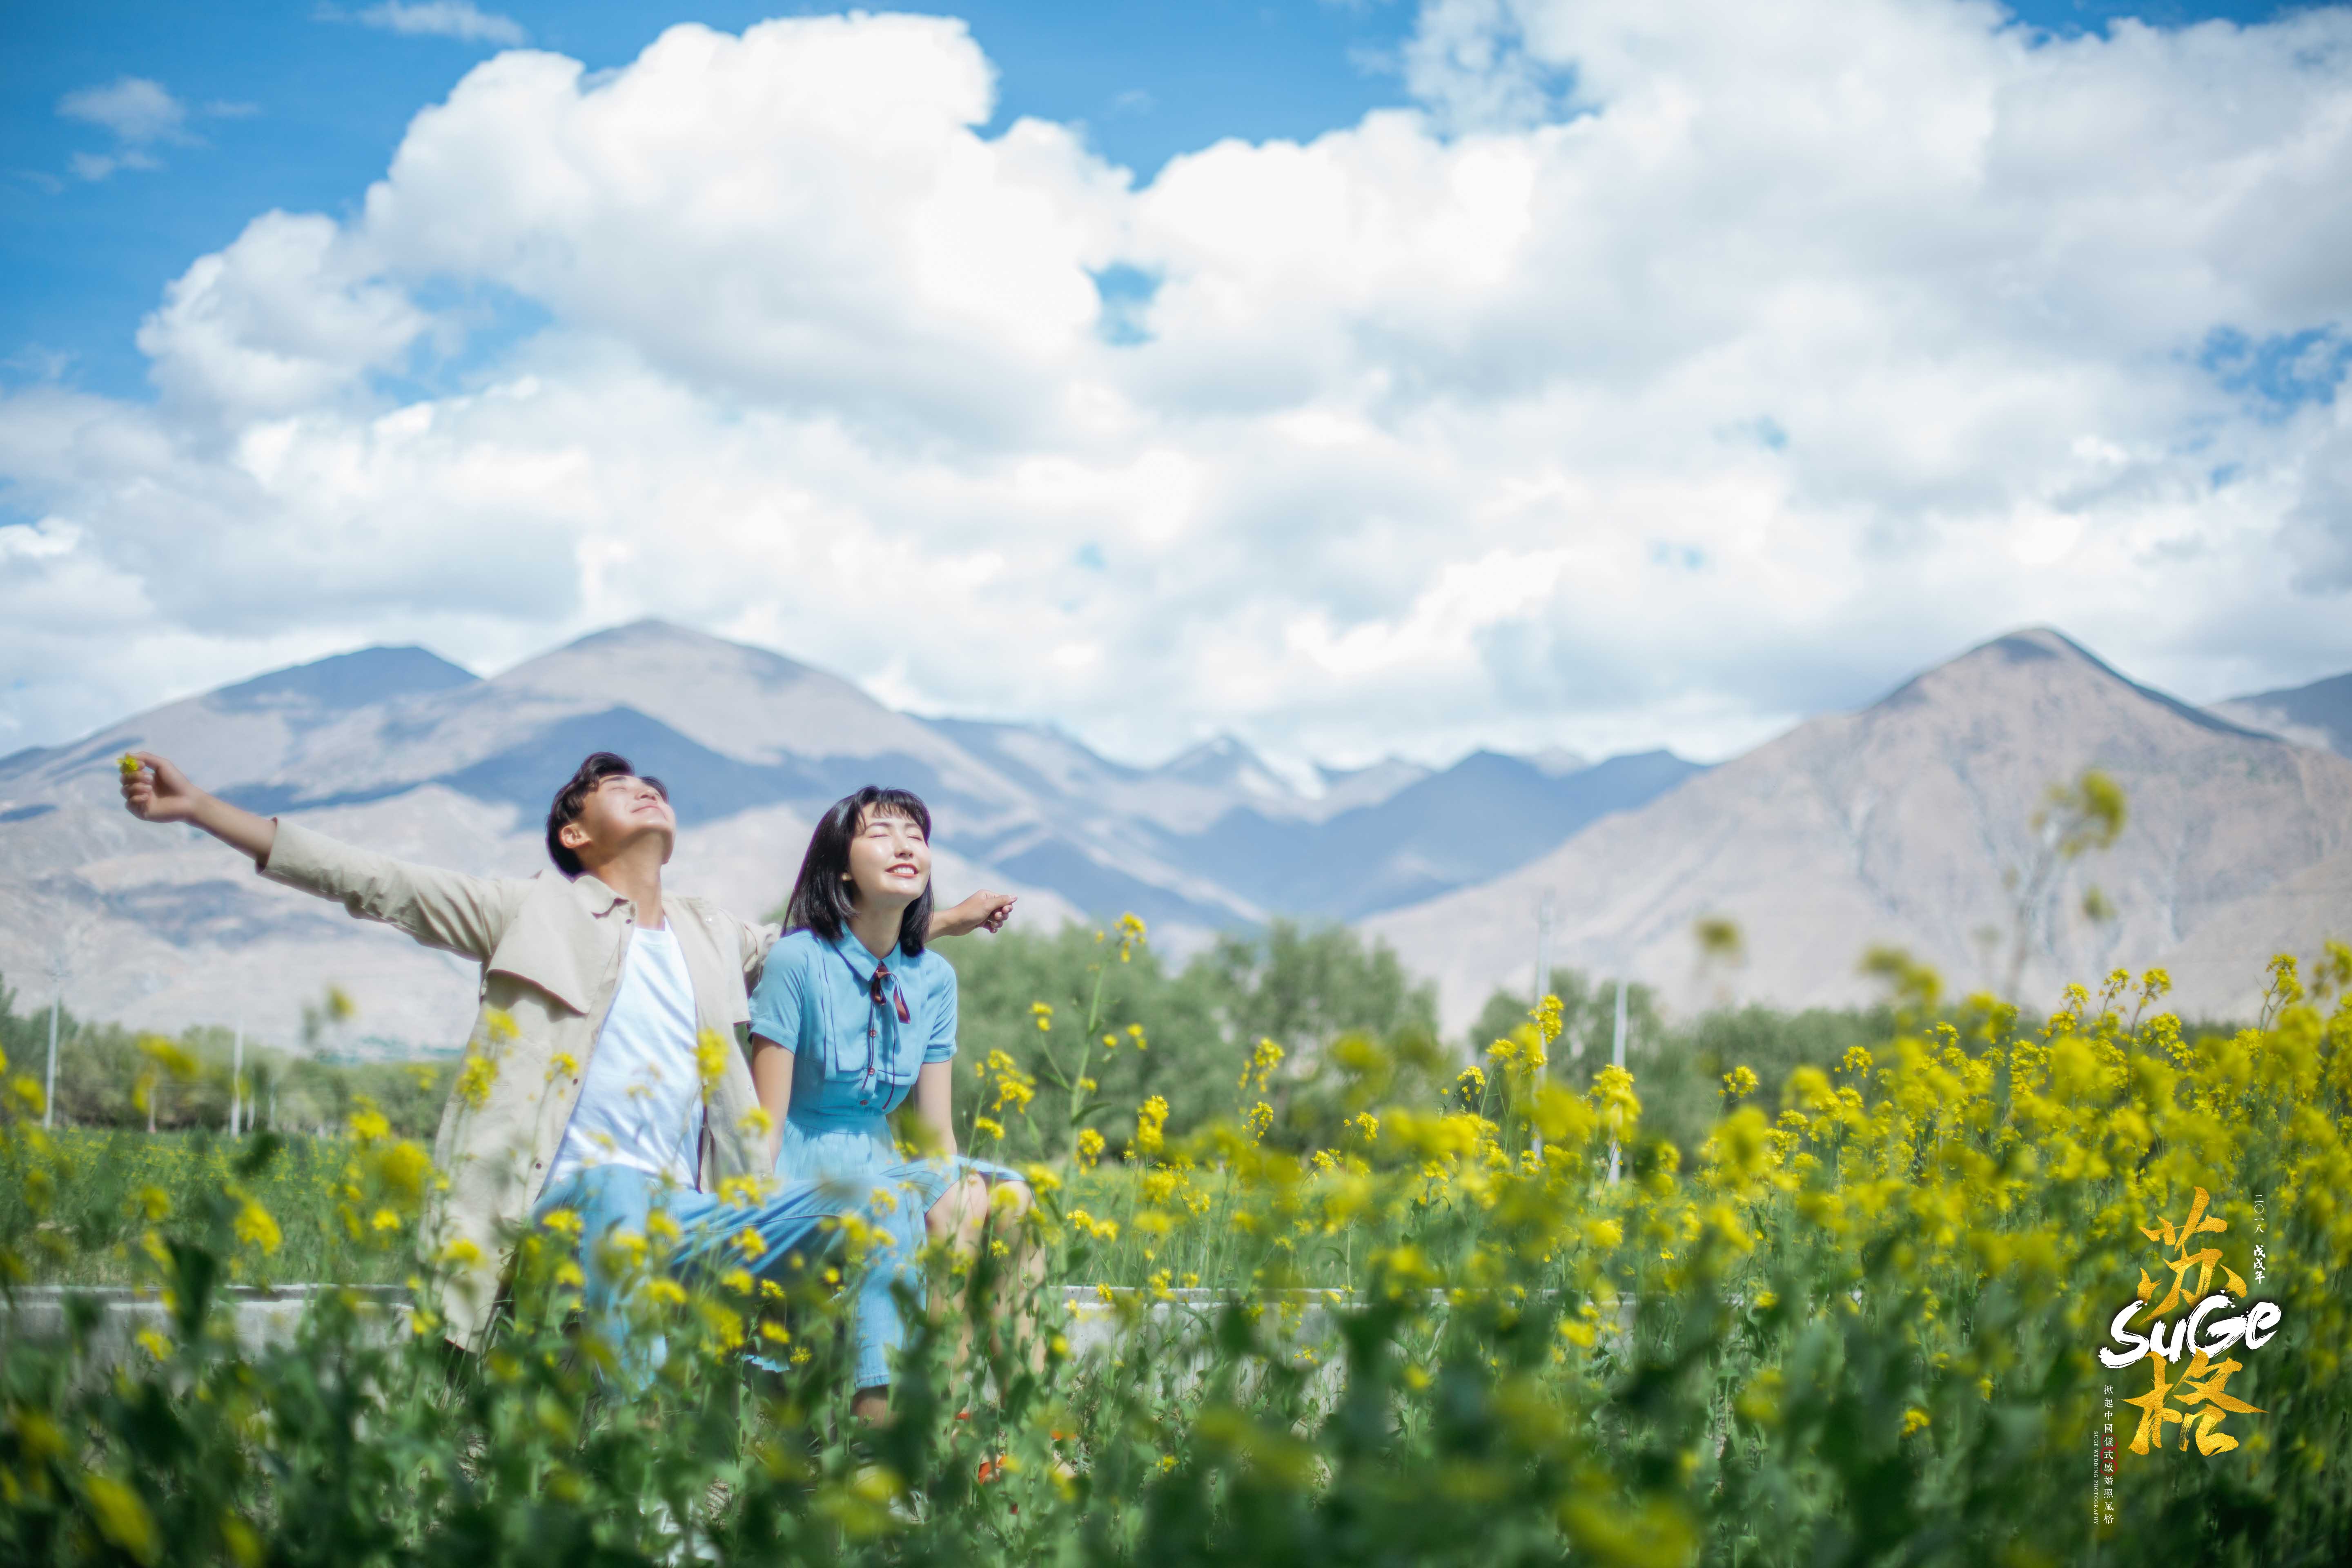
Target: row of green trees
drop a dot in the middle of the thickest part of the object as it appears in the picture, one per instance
(1095, 1026)
(112, 1077)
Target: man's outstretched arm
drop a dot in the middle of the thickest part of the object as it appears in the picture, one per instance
(440, 909)
(160, 792)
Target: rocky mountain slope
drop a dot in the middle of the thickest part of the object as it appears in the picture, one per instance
(1900, 823)
(2319, 714)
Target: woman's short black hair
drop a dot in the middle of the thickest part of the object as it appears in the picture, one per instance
(822, 900)
(572, 799)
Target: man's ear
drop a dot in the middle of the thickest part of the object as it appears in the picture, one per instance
(572, 835)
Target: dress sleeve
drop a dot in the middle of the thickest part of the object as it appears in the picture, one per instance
(779, 1003)
(939, 1023)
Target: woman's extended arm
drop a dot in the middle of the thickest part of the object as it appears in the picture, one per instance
(935, 1104)
(983, 911)
(771, 1075)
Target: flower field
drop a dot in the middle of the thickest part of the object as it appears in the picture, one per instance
(1864, 1326)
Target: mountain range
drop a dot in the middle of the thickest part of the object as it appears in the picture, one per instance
(397, 747)
(1912, 823)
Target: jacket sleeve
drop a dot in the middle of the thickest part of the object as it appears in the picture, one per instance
(440, 909)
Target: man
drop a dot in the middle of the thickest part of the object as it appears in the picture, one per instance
(596, 990)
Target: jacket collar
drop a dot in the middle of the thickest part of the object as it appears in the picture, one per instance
(594, 897)
(555, 943)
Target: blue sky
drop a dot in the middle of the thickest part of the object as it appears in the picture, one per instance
(290, 107)
(1803, 347)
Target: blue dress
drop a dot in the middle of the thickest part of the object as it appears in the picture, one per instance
(855, 1061)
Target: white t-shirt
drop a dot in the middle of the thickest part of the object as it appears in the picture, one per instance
(642, 1104)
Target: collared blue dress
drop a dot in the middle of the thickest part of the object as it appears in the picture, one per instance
(855, 1061)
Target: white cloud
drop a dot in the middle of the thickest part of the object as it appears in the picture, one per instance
(134, 108)
(445, 19)
(43, 540)
(287, 319)
(96, 167)
(142, 113)
(1672, 371)
(139, 111)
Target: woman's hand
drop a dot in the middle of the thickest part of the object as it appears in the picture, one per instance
(983, 911)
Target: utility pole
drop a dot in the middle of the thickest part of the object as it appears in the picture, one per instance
(57, 1000)
(1543, 934)
(236, 1065)
(1617, 1058)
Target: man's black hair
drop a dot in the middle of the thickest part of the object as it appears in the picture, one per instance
(572, 799)
(823, 899)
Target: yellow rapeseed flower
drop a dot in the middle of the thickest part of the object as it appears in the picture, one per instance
(475, 1077)
(255, 1227)
(710, 1053)
(122, 1517)
(1150, 1126)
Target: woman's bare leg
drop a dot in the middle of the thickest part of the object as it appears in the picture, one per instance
(1008, 1216)
(956, 1220)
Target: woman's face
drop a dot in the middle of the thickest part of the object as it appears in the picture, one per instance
(889, 862)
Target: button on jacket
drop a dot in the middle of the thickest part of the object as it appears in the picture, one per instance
(551, 950)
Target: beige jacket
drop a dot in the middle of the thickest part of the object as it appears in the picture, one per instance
(550, 951)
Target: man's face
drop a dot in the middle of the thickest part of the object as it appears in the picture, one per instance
(616, 815)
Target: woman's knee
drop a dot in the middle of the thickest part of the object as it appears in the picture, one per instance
(972, 1200)
(960, 1207)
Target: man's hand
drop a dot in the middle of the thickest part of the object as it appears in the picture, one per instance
(157, 791)
(160, 792)
(983, 911)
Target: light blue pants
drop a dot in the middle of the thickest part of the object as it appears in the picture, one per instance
(615, 1198)
(843, 1152)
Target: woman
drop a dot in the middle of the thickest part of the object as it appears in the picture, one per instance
(852, 1016)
